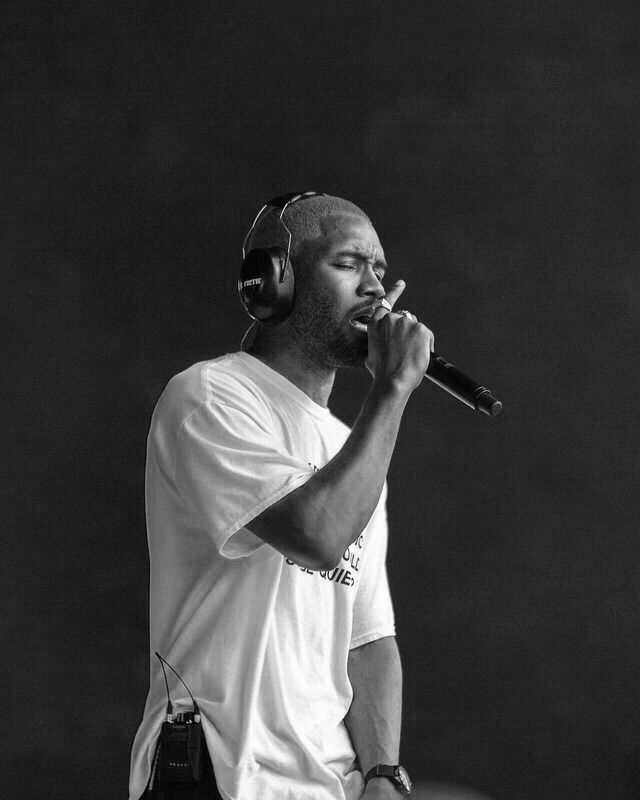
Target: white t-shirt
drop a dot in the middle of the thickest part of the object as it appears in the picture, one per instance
(261, 642)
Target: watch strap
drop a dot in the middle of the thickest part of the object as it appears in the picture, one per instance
(380, 771)
(394, 772)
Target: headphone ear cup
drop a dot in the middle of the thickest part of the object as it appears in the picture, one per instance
(264, 295)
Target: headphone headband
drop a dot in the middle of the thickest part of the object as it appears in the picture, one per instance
(282, 202)
(287, 199)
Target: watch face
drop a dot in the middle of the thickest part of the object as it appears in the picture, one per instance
(403, 777)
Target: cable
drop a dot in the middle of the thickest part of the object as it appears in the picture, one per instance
(196, 710)
(246, 335)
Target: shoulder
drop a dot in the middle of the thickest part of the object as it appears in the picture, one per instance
(220, 381)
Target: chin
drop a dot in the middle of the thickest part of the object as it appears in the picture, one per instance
(353, 355)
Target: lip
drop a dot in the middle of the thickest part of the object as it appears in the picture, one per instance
(359, 326)
(367, 312)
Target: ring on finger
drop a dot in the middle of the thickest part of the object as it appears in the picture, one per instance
(405, 313)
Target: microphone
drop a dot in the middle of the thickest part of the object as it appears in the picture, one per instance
(448, 377)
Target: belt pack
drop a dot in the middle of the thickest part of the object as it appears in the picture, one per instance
(180, 750)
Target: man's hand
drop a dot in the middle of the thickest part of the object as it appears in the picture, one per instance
(382, 789)
(399, 345)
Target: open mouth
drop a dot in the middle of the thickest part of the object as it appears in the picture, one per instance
(360, 321)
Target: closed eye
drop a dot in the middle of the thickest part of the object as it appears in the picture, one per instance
(379, 273)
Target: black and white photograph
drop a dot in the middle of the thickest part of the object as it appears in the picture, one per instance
(321, 462)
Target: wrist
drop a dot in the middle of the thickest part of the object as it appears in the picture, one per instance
(387, 397)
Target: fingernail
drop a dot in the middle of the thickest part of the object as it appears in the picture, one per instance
(399, 283)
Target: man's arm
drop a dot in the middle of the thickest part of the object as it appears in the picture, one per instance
(374, 719)
(315, 523)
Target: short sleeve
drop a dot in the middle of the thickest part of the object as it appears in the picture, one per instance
(373, 616)
(229, 468)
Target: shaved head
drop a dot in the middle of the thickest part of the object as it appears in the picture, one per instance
(307, 219)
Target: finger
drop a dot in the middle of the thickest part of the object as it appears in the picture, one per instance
(386, 304)
(432, 340)
(407, 314)
(394, 292)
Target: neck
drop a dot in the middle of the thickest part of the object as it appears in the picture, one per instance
(278, 351)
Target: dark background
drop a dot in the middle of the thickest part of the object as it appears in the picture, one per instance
(495, 146)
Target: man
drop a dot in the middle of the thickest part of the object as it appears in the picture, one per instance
(267, 529)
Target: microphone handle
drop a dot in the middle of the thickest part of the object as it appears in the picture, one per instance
(465, 389)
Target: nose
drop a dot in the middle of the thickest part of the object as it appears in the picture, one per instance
(370, 285)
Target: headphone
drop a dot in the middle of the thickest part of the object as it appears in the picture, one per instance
(266, 283)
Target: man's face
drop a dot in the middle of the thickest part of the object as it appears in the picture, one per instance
(338, 278)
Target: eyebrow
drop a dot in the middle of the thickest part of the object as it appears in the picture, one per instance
(358, 256)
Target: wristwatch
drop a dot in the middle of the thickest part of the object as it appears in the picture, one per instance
(395, 773)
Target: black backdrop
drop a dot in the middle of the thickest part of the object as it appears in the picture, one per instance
(495, 146)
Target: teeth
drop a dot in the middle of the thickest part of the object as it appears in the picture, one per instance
(362, 319)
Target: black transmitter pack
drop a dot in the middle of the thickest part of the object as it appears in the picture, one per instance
(180, 751)
(179, 754)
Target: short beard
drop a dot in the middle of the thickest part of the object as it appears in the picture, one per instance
(321, 337)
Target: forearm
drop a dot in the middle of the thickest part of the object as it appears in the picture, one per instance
(315, 523)
(374, 719)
